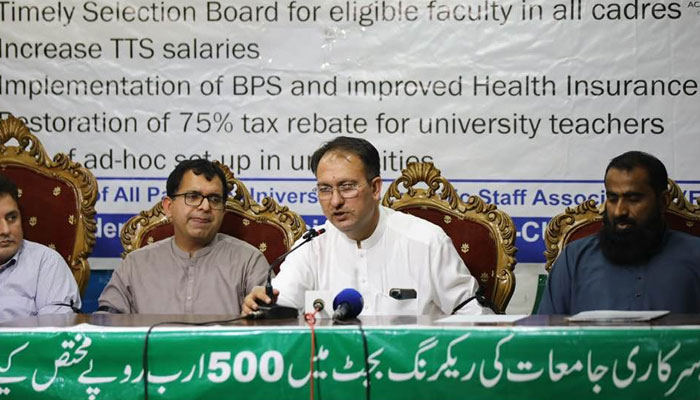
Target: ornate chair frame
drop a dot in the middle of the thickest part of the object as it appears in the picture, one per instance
(240, 203)
(586, 218)
(30, 154)
(440, 195)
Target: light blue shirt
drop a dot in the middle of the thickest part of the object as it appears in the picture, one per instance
(34, 281)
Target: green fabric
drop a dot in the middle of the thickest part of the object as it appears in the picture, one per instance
(420, 363)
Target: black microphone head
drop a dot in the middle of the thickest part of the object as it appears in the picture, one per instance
(351, 300)
(312, 233)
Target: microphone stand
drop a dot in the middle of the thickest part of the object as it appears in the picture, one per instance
(275, 311)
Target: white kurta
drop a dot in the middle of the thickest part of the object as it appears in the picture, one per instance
(404, 252)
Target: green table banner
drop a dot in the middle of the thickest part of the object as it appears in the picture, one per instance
(403, 363)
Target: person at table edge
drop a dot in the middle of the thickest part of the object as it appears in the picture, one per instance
(635, 262)
(197, 270)
(369, 247)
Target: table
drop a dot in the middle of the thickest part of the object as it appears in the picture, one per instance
(100, 357)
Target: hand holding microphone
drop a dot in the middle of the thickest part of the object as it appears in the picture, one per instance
(260, 302)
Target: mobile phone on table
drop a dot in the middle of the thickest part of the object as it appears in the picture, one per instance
(402, 294)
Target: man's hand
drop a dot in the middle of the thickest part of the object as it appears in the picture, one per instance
(250, 303)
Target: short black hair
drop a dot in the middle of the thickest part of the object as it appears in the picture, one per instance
(198, 167)
(8, 187)
(656, 171)
(360, 147)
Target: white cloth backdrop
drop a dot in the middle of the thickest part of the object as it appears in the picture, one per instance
(522, 102)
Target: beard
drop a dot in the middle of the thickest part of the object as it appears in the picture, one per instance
(634, 245)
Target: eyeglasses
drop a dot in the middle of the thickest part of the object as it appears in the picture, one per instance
(195, 199)
(346, 190)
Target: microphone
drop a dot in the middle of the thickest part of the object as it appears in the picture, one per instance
(319, 305)
(274, 311)
(310, 234)
(347, 304)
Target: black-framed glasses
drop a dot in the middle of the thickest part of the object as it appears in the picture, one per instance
(345, 190)
(195, 199)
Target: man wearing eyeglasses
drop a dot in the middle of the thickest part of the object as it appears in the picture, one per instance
(197, 270)
(370, 248)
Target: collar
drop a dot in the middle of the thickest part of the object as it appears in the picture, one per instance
(378, 233)
(665, 237)
(197, 254)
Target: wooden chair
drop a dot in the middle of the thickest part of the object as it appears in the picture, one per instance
(483, 235)
(57, 197)
(587, 219)
(271, 228)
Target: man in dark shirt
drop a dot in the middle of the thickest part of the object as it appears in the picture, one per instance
(635, 262)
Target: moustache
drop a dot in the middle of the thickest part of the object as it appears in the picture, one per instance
(624, 220)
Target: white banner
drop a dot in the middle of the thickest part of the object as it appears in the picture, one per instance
(522, 102)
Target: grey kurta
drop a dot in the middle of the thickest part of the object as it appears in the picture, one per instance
(162, 279)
